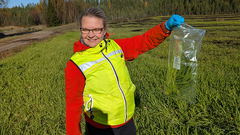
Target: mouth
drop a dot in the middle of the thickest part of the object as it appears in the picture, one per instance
(92, 40)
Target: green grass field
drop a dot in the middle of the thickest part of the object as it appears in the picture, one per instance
(32, 95)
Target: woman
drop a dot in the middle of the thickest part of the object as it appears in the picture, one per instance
(96, 76)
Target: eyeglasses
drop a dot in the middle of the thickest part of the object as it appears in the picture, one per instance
(95, 31)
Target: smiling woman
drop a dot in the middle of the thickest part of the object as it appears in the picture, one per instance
(98, 71)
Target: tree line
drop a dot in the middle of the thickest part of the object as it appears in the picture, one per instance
(59, 12)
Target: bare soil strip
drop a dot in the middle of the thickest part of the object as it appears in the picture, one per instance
(9, 47)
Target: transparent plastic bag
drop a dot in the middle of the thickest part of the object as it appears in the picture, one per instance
(185, 46)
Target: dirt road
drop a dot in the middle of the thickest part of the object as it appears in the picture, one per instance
(18, 43)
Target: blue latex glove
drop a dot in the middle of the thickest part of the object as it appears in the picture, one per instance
(175, 20)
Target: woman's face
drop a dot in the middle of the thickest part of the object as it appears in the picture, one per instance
(92, 30)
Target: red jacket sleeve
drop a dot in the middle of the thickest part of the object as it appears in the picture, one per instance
(75, 83)
(132, 47)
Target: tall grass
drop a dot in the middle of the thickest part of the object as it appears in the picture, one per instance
(32, 88)
(32, 96)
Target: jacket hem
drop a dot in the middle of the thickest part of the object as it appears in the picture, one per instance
(102, 126)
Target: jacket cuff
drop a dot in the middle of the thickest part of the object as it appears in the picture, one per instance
(162, 25)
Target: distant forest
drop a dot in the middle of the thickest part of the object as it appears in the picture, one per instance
(59, 12)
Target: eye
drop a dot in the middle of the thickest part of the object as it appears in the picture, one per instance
(84, 31)
(97, 31)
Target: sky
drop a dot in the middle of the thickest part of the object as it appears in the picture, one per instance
(13, 3)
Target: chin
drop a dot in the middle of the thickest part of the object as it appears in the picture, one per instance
(93, 44)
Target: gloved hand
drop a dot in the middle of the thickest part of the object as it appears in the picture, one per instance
(175, 20)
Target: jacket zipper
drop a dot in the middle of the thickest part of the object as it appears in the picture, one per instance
(119, 86)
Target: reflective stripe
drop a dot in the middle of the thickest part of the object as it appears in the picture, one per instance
(87, 65)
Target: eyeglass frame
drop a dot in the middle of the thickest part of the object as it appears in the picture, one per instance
(92, 30)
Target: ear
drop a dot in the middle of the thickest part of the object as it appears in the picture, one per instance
(105, 31)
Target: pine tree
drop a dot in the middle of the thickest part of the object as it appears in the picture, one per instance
(235, 6)
(30, 20)
(43, 11)
(52, 19)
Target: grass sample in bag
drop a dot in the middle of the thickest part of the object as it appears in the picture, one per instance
(185, 46)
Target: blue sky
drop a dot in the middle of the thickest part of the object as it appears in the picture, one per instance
(13, 3)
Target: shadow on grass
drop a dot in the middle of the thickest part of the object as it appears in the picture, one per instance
(2, 35)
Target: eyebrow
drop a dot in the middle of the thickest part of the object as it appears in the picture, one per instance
(92, 29)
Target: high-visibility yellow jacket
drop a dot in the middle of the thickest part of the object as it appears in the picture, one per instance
(109, 91)
(75, 80)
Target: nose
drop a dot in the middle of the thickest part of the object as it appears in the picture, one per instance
(91, 34)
